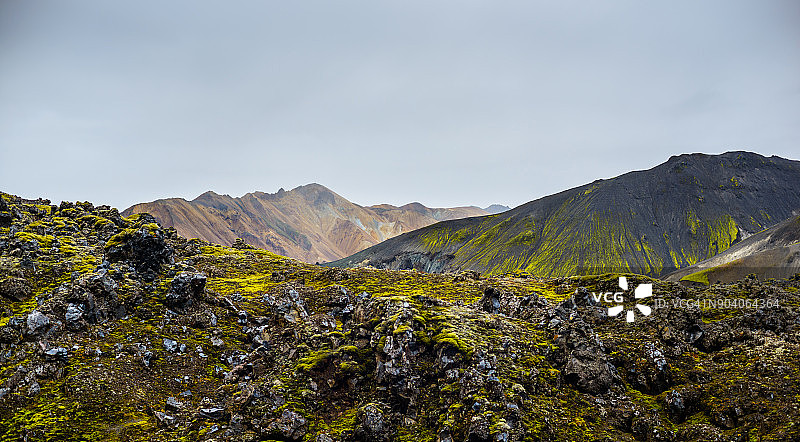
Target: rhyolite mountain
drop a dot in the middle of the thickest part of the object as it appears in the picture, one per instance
(652, 222)
(310, 223)
(771, 253)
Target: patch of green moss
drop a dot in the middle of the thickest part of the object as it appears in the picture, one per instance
(701, 276)
(123, 236)
(44, 241)
(449, 337)
(318, 359)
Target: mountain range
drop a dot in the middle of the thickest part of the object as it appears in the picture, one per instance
(652, 222)
(117, 329)
(310, 223)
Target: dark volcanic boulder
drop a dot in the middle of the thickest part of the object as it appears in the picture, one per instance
(498, 301)
(372, 423)
(5, 215)
(290, 426)
(582, 354)
(588, 369)
(650, 372)
(490, 302)
(145, 247)
(185, 286)
(37, 322)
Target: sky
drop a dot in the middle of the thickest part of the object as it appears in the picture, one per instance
(447, 103)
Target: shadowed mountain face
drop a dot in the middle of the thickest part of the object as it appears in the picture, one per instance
(310, 223)
(651, 222)
(772, 253)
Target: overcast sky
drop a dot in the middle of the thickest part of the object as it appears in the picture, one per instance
(442, 102)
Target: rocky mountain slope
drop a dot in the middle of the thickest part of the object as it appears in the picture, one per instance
(650, 222)
(771, 253)
(114, 328)
(310, 223)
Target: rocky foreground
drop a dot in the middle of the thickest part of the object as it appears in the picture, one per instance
(114, 328)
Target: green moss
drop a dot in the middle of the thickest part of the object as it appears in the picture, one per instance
(123, 236)
(525, 237)
(450, 338)
(217, 250)
(438, 238)
(701, 276)
(56, 416)
(45, 241)
(96, 222)
(643, 399)
(340, 421)
(317, 360)
(402, 329)
(247, 286)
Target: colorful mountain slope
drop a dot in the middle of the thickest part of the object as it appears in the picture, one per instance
(310, 223)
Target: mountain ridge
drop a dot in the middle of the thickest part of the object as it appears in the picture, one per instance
(652, 222)
(310, 222)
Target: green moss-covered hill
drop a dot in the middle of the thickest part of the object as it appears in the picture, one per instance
(771, 253)
(114, 328)
(651, 222)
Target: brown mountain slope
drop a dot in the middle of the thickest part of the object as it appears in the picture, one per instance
(310, 223)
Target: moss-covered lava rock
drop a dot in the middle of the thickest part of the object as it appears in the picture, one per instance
(114, 328)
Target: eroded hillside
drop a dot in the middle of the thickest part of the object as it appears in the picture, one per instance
(310, 223)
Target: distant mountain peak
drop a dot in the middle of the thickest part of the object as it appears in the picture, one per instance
(312, 186)
(415, 206)
(496, 208)
(310, 222)
(209, 194)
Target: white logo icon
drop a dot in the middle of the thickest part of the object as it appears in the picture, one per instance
(641, 291)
